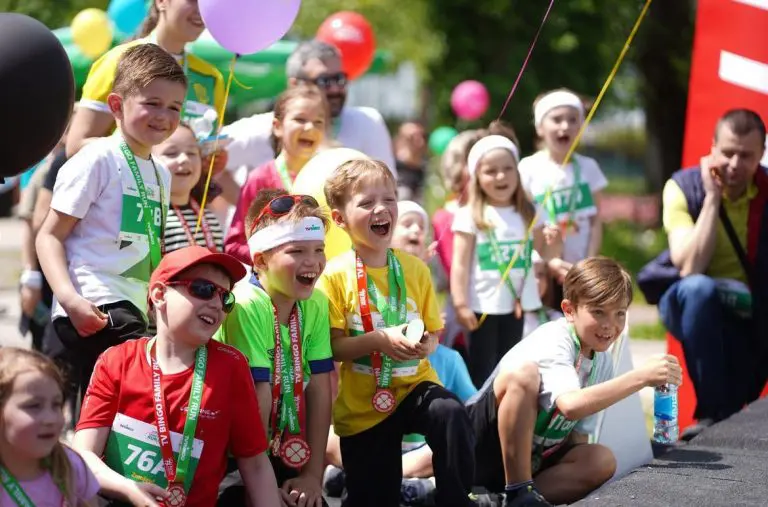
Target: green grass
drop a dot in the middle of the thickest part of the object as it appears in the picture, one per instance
(626, 185)
(655, 331)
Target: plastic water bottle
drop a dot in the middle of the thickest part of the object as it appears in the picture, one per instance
(665, 429)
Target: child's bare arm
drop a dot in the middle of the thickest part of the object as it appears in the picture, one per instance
(264, 395)
(259, 480)
(390, 341)
(582, 403)
(463, 249)
(319, 417)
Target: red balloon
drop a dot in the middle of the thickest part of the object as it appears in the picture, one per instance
(353, 35)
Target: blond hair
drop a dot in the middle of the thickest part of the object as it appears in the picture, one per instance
(453, 164)
(598, 281)
(350, 176)
(14, 362)
(300, 210)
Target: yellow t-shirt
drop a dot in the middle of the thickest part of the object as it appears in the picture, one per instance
(205, 84)
(725, 262)
(353, 411)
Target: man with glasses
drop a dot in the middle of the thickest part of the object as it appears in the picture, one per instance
(359, 128)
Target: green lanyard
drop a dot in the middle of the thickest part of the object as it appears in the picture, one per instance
(572, 199)
(14, 489)
(393, 309)
(155, 245)
(282, 170)
(502, 265)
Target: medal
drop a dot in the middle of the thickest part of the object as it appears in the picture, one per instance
(295, 452)
(176, 495)
(383, 401)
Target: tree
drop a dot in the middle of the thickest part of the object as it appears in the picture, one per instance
(53, 13)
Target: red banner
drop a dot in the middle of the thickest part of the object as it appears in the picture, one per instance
(729, 68)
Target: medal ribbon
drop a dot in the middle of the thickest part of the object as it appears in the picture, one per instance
(287, 392)
(282, 170)
(209, 242)
(502, 264)
(14, 489)
(393, 310)
(177, 471)
(155, 242)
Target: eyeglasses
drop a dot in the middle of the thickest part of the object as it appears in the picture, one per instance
(205, 290)
(326, 81)
(281, 205)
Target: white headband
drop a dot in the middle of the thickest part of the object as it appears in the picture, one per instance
(307, 229)
(552, 100)
(404, 207)
(485, 145)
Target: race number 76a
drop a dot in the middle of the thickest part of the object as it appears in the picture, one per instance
(145, 460)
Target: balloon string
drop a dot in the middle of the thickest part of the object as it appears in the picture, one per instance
(572, 149)
(216, 142)
(527, 57)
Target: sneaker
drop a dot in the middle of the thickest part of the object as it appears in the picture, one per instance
(486, 499)
(333, 481)
(692, 432)
(417, 492)
(530, 497)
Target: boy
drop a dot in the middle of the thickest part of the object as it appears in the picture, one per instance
(387, 386)
(102, 237)
(280, 323)
(152, 399)
(535, 412)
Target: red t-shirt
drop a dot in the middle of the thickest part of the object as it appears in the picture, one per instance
(229, 420)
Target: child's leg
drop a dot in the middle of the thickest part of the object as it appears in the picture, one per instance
(483, 343)
(440, 416)
(333, 449)
(510, 333)
(582, 469)
(372, 464)
(417, 464)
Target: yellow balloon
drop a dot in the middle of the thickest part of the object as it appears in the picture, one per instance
(92, 32)
(311, 181)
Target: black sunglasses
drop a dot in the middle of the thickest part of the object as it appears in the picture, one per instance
(205, 290)
(327, 81)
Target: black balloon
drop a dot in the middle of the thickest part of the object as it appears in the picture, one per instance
(37, 92)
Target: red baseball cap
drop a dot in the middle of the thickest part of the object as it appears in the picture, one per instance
(177, 261)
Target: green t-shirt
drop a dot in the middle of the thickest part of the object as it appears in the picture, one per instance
(250, 328)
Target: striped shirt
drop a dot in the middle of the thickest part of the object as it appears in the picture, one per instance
(176, 234)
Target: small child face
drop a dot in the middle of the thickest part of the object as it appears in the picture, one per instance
(180, 153)
(293, 268)
(597, 326)
(370, 214)
(558, 128)
(410, 234)
(32, 418)
(303, 129)
(152, 114)
(497, 176)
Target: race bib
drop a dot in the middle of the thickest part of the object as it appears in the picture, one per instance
(507, 249)
(363, 364)
(132, 226)
(133, 452)
(735, 296)
(561, 202)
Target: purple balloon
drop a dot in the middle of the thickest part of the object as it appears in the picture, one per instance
(470, 100)
(248, 26)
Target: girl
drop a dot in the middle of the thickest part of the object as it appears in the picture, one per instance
(488, 231)
(35, 467)
(180, 153)
(298, 132)
(575, 189)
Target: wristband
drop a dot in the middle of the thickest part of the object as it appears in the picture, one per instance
(31, 279)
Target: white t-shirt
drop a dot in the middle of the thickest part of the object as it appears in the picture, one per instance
(485, 294)
(552, 348)
(539, 172)
(90, 187)
(361, 128)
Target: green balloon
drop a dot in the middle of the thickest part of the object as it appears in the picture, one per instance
(440, 137)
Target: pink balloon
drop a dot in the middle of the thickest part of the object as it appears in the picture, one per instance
(470, 100)
(248, 26)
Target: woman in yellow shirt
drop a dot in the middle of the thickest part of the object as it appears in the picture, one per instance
(171, 24)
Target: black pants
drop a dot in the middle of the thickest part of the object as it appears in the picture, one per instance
(373, 459)
(489, 343)
(125, 322)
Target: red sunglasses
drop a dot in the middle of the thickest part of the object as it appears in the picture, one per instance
(281, 205)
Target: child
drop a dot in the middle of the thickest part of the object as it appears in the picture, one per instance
(492, 228)
(103, 235)
(410, 233)
(575, 189)
(151, 399)
(35, 467)
(181, 154)
(534, 414)
(287, 241)
(301, 118)
(387, 386)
